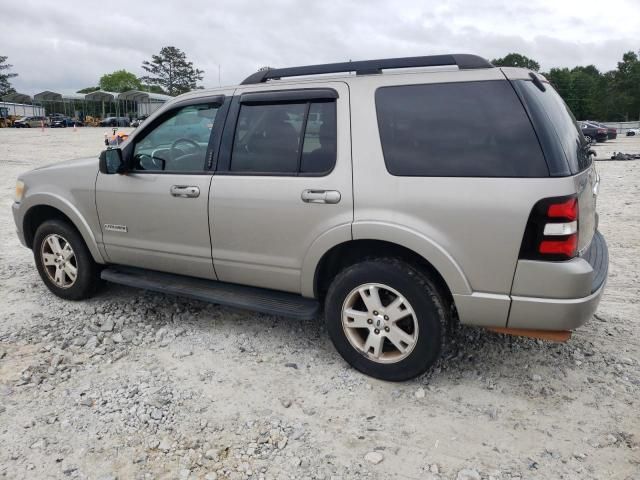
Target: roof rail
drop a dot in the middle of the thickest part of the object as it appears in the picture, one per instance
(365, 67)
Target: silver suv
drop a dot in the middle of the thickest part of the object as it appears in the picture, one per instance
(409, 195)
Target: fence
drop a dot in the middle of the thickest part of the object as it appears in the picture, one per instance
(623, 127)
(22, 109)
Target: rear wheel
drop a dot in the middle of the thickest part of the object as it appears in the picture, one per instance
(386, 318)
(64, 261)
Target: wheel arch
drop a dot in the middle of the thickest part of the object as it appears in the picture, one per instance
(348, 253)
(40, 212)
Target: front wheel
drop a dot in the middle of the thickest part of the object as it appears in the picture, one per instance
(64, 261)
(588, 139)
(386, 318)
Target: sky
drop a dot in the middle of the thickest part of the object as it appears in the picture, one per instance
(67, 45)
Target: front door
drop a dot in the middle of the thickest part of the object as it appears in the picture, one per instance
(283, 182)
(156, 215)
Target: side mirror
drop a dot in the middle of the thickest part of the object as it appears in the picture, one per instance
(111, 161)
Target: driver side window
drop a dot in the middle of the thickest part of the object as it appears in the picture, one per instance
(179, 143)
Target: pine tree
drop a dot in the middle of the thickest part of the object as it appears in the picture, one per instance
(171, 70)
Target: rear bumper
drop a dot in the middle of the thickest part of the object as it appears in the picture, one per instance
(553, 309)
(552, 313)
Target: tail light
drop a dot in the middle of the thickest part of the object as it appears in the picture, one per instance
(552, 230)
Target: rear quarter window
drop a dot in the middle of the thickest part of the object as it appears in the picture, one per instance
(562, 139)
(466, 129)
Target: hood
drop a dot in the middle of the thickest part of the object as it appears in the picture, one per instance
(71, 164)
(63, 172)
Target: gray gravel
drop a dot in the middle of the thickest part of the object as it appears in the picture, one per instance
(135, 385)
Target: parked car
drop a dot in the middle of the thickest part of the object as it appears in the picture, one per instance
(593, 133)
(64, 122)
(612, 133)
(115, 122)
(31, 122)
(414, 201)
(633, 132)
(138, 121)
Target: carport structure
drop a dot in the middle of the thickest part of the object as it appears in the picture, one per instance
(103, 97)
(16, 97)
(20, 105)
(67, 101)
(146, 102)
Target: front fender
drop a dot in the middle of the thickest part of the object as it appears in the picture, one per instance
(65, 206)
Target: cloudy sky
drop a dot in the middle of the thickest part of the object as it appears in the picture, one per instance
(67, 45)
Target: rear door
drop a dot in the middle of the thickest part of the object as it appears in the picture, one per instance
(283, 181)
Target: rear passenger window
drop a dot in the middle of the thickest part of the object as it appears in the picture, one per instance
(467, 129)
(319, 147)
(286, 138)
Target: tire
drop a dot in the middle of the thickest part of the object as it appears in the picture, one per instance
(64, 286)
(588, 138)
(424, 325)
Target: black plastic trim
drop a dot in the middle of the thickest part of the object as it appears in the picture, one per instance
(367, 67)
(262, 300)
(288, 96)
(537, 82)
(598, 257)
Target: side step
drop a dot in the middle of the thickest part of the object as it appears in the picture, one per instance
(251, 298)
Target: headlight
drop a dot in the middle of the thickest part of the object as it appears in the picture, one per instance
(19, 190)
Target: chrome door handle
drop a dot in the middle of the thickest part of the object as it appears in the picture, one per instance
(320, 196)
(184, 191)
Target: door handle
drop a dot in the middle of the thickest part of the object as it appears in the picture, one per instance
(185, 191)
(320, 196)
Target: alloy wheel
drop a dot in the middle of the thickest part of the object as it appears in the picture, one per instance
(59, 260)
(379, 323)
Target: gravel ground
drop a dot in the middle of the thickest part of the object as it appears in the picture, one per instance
(137, 385)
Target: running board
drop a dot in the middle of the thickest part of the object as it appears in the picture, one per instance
(261, 300)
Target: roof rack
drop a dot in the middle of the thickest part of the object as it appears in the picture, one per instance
(367, 67)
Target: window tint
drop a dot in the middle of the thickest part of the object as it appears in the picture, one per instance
(179, 143)
(551, 113)
(475, 129)
(269, 138)
(319, 148)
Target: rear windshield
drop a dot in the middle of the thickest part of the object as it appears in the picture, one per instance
(462, 129)
(557, 128)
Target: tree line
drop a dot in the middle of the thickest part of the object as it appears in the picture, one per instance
(590, 93)
(168, 72)
(612, 96)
